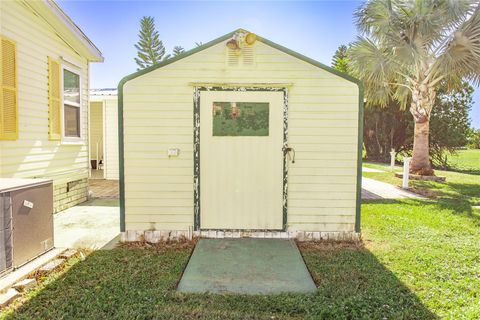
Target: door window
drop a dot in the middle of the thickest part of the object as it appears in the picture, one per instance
(240, 118)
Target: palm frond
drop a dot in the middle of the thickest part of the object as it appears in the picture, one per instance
(375, 67)
(402, 95)
(460, 56)
(372, 62)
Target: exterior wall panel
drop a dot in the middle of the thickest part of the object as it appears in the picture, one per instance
(323, 129)
(33, 155)
(111, 139)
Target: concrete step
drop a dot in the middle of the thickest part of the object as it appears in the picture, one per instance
(50, 266)
(8, 280)
(25, 284)
(68, 254)
(7, 297)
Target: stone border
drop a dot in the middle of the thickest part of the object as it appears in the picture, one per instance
(175, 235)
(424, 178)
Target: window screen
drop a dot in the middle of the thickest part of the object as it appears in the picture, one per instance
(240, 118)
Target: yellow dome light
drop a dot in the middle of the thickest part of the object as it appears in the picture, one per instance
(250, 38)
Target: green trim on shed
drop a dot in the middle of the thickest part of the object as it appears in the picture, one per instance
(206, 46)
(359, 157)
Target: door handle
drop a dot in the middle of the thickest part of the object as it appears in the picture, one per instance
(287, 151)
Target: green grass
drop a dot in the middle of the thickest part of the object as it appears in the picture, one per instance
(420, 260)
(466, 161)
(433, 248)
(460, 188)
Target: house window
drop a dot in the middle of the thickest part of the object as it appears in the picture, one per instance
(71, 104)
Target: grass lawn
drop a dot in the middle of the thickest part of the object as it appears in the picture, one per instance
(466, 160)
(419, 260)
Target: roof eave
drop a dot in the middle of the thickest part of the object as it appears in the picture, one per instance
(228, 36)
(48, 9)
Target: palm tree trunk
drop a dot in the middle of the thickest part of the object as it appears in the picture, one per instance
(423, 99)
(421, 157)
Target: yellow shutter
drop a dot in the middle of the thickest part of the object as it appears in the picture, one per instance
(9, 91)
(54, 102)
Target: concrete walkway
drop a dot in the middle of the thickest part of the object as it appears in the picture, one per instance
(90, 225)
(105, 189)
(373, 189)
(365, 169)
(246, 266)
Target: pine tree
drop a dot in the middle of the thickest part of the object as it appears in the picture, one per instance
(178, 50)
(340, 59)
(150, 48)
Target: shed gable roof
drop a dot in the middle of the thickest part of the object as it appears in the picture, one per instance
(229, 36)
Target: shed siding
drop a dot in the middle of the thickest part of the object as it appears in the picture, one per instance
(111, 139)
(323, 129)
(96, 130)
(33, 154)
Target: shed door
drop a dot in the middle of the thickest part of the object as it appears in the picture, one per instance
(241, 160)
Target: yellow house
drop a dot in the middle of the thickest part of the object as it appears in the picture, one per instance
(240, 137)
(44, 72)
(103, 122)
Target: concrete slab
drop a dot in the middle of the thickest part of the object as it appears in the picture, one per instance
(7, 297)
(373, 189)
(51, 266)
(68, 254)
(11, 278)
(246, 266)
(90, 225)
(25, 284)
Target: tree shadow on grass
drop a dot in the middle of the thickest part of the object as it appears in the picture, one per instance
(356, 285)
(472, 171)
(139, 283)
(466, 189)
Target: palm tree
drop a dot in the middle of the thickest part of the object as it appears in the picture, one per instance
(407, 48)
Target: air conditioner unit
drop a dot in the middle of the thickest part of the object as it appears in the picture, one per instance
(26, 221)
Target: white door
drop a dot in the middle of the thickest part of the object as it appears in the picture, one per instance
(241, 160)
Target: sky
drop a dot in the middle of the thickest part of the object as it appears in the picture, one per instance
(312, 28)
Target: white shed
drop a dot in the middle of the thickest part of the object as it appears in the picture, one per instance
(103, 139)
(240, 137)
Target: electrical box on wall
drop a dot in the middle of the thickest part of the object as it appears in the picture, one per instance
(173, 152)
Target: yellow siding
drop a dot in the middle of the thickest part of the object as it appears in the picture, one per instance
(111, 139)
(323, 129)
(96, 130)
(33, 154)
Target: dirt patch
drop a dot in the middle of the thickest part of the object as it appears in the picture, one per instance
(426, 192)
(330, 245)
(181, 244)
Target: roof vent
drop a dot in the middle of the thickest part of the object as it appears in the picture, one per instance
(233, 57)
(248, 56)
(240, 49)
